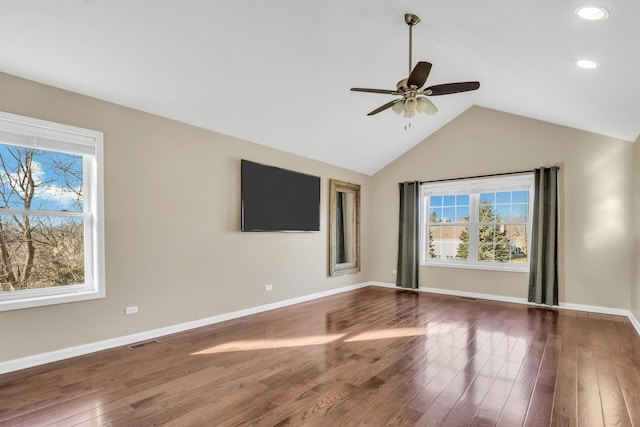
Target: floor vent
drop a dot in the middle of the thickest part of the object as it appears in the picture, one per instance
(470, 298)
(140, 345)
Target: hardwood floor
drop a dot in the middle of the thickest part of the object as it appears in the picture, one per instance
(370, 357)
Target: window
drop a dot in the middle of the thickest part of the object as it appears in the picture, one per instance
(479, 223)
(51, 222)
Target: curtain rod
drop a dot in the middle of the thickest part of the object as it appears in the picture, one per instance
(481, 176)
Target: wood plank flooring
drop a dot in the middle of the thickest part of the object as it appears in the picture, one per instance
(371, 357)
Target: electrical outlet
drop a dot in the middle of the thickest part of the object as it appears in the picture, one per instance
(394, 271)
(268, 287)
(131, 310)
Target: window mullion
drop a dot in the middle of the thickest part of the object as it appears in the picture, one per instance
(474, 202)
(425, 233)
(89, 207)
(36, 212)
(530, 218)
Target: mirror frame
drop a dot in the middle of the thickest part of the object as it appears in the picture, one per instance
(336, 269)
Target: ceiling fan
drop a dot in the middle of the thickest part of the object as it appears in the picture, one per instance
(413, 94)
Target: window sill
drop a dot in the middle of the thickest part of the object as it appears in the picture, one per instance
(50, 299)
(511, 269)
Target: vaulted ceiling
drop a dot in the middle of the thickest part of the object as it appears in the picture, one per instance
(278, 73)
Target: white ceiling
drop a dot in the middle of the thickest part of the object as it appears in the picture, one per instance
(278, 72)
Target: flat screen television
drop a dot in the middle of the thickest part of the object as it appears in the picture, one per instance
(275, 199)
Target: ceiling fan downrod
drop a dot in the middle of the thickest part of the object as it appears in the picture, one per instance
(411, 20)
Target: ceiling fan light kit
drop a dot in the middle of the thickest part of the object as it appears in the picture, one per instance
(412, 91)
(426, 107)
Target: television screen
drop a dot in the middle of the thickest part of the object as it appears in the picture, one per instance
(275, 199)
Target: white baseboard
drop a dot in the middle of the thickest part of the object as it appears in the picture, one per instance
(477, 295)
(596, 309)
(385, 285)
(456, 293)
(66, 353)
(566, 306)
(634, 322)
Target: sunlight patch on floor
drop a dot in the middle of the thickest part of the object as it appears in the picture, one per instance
(265, 344)
(370, 335)
(379, 334)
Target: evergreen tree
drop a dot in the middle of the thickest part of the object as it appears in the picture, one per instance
(493, 243)
(432, 247)
(462, 251)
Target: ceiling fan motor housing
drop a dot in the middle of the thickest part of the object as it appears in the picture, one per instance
(402, 86)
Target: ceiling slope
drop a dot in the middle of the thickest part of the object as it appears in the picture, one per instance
(278, 73)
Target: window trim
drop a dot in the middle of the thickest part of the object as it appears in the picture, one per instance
(24, 131)
(473, 187)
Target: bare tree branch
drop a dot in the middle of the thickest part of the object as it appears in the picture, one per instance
(39, 251)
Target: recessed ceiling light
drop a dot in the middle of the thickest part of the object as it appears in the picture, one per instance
(587, 64)
(592, 13)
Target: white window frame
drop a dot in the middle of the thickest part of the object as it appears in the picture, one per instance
(474, 187)
(29, 132)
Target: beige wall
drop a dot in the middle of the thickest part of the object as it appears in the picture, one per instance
(595, 212)
(635, 264)
(173, 245)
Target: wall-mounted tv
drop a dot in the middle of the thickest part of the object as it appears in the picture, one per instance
(275, 199)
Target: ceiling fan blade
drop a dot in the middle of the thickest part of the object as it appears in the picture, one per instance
(383, 91)
(419, 75)
(384, 107)
(447, 88)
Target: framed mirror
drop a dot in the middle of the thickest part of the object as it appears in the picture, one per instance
(344, 228)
